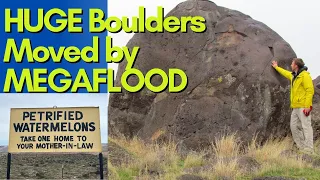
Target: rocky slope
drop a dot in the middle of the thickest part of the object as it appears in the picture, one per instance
(316, 109)
(49, 166)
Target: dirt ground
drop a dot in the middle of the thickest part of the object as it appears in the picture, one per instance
(49, 166)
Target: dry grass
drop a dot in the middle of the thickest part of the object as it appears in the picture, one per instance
(272, 158)
(194, 159)
(112, 172)
(270, 150)
(222, 168)
(226, 149)
(162, 161)
(150, 158)
(227, 169)
(226, 146)
(317, 144)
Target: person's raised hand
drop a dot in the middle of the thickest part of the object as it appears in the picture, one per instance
(274, 64)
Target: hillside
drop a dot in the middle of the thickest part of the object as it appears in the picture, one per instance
(49, 166)
(3, 149)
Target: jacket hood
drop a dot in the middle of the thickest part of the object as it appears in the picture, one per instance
(304, 68)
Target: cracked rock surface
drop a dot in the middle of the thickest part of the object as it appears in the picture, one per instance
(315, 113)
(231, 84)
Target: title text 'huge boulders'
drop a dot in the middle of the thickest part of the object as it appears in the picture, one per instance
(231, 84)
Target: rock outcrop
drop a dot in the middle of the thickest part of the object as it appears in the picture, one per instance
(231, 84)
(316, 83)
(316, 109)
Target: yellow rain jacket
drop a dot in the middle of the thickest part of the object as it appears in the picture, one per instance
(302, 90)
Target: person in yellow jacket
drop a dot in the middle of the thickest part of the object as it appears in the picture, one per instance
(301, 95)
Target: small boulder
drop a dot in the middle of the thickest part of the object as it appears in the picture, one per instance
(248, 164)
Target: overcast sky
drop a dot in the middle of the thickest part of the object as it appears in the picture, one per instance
(296, 21)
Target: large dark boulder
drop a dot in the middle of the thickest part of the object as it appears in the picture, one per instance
(316, 109)
(316, 83)
(231, 84)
